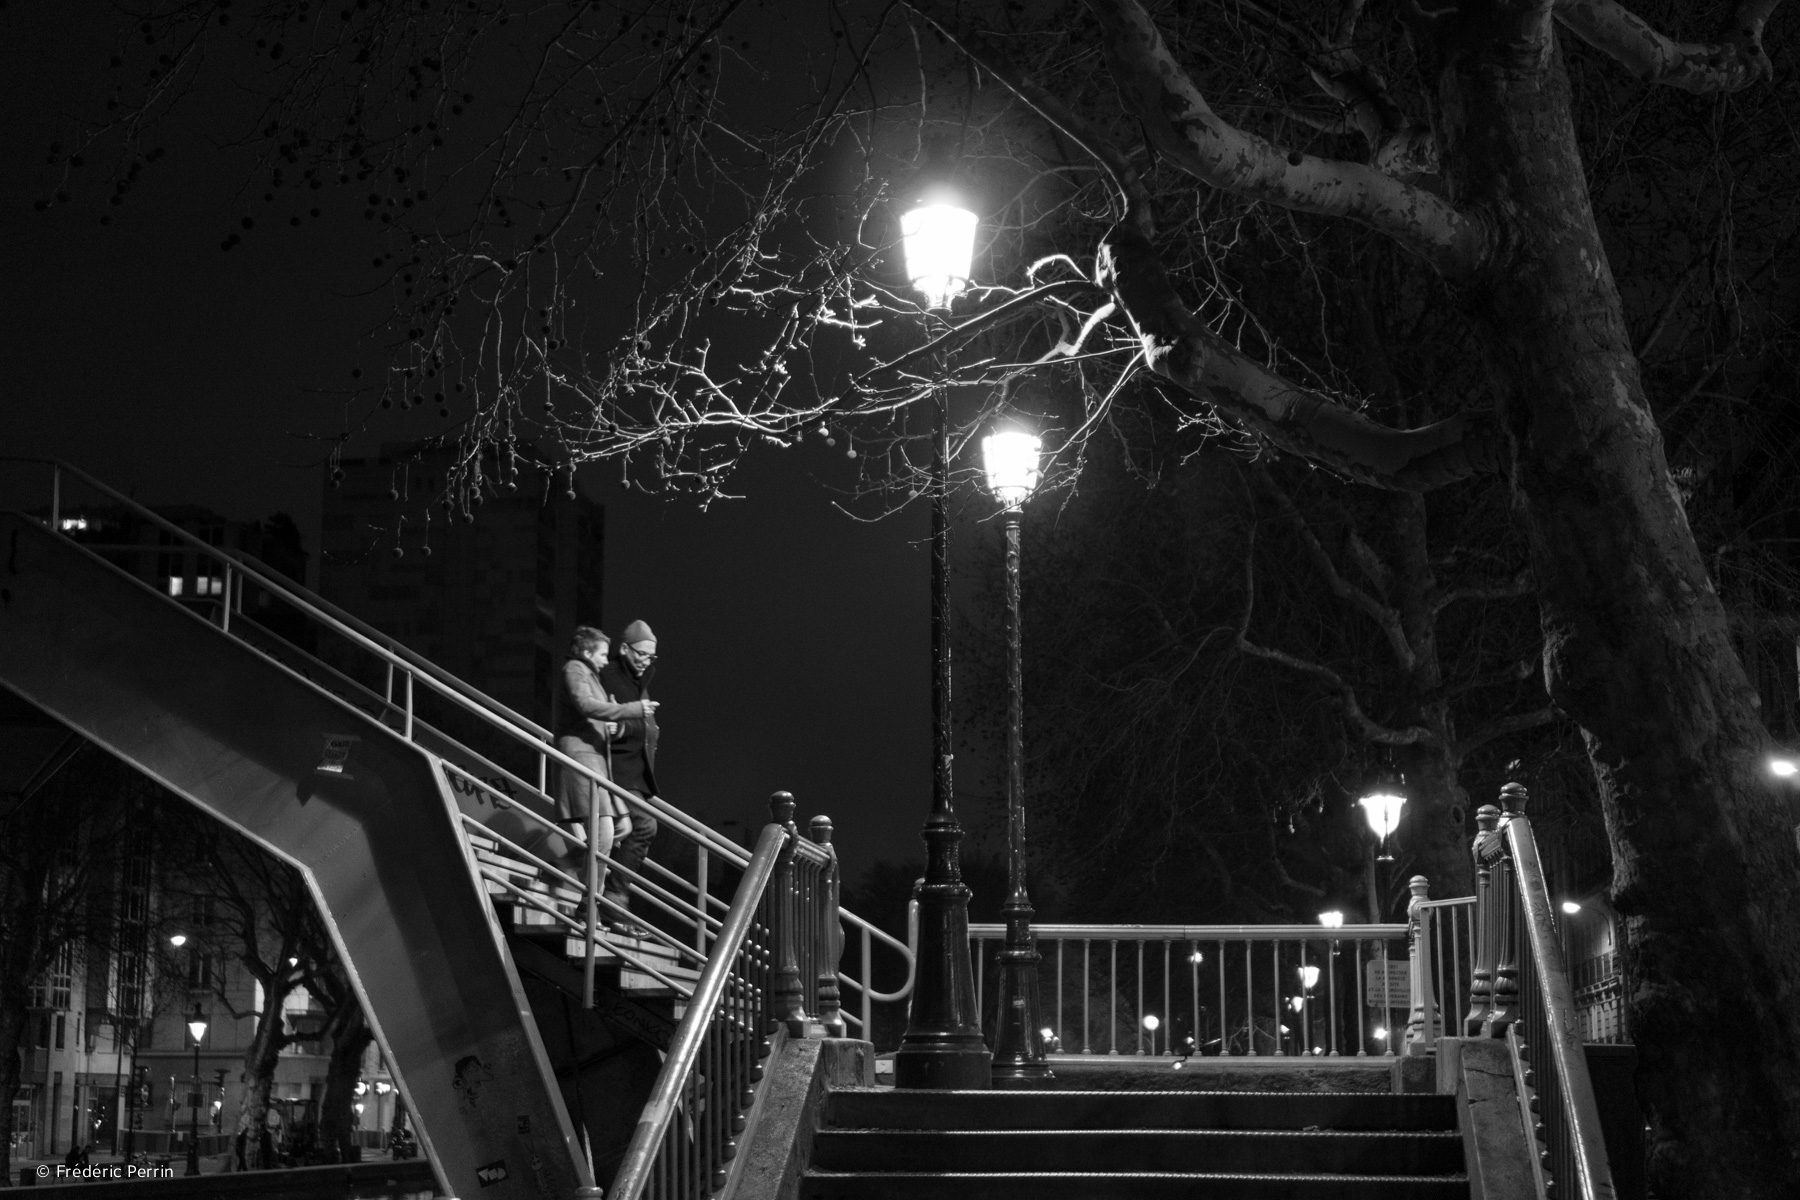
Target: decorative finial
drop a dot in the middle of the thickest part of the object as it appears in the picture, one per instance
(781, 807)
(820, 829)
(1487, 818)
(1513, 798)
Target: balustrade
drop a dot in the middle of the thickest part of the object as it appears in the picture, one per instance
(1226, 990)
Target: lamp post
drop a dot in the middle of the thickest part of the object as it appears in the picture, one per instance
(1010, 460)
(196, 1026)
(942, 1046)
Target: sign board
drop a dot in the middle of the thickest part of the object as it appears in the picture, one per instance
(1388, 984)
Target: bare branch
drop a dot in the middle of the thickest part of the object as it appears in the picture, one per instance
(1736, 61)
(1519, 585)
(1184, 128)
(1386, 617)
(1179, 347)
(983, 49)
(1502, 726)
(1371, 729)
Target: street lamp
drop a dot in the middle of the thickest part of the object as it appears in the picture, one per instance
(937, 238)
(197, 1027)
(942, 1046)
(1381, 805)
(1010, 461)
(1332, 920)
(1152, 1023)
(178, 940)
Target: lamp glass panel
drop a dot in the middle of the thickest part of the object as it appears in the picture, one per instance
(1383, 811)
(938, 241)
(1010, 459)
(198, 1029)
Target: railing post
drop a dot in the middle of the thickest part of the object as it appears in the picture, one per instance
(829, 1004)
(789, 998)
(1487, 932)
(1503, 1005)
(1421, 1029)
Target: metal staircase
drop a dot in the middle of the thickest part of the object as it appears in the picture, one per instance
(417, 809)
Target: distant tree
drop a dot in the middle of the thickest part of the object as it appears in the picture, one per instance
(75, 877)
(264, 920)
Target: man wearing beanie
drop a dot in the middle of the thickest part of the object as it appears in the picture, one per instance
(627, 678)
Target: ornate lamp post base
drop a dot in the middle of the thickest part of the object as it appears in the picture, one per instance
(1019, 1057)
(943, 1047)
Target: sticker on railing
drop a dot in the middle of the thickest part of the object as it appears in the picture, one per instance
(335, 760)
(1388, 984)
(491, 1174)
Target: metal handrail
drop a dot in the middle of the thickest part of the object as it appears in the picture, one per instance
(703, 1009)
(459, 693)
(1586, 1141)
(1520, 992)
(1204, 933)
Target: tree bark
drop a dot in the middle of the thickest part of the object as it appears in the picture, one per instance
(350, 1037)
(1637, 646)
(260, 1060)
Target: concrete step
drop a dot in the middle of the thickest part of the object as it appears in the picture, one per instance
(1141, 1150)
(887, 1108)
(1088, 1185)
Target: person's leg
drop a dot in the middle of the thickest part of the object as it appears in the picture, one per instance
(630, 853)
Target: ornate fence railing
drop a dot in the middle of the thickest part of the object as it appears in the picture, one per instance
(1521, 991)
(772, 968)
(1442, 942)
(1228, 990)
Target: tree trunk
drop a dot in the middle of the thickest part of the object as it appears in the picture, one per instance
(337, 1119)
(260, 1060)
(1705, 867)
(1432, 828)
(12, 1036)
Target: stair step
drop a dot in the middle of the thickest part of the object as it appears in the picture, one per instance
(1141, 1150)
(1089, 1185)
(890, 1109)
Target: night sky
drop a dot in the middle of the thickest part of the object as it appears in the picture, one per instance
(794, 640)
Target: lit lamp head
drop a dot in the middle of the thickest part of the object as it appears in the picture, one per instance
(1784, 767)
(937, 237)
(1309, 975)
(1382, 805)
(1332, 920)
(178, 940)
(197, 1024)
(1010, 459)
(1152, 1022)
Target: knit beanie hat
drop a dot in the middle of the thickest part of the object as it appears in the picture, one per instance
(636, 632)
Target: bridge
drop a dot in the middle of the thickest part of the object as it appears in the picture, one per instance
(719, 1049)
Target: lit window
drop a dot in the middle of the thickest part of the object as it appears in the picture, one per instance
(175, 582)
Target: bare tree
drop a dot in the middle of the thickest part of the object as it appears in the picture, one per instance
(263, 918)
(724, 175)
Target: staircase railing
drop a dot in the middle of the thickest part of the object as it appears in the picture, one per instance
(1441, 935)
(1230, 990)
(507, 806)
(750, 988)
(1520, 991)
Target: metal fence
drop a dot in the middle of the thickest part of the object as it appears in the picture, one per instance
(1226, 990)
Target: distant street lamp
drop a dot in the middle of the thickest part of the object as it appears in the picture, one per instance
(1152, 1023)
(1010, 460)
(1332, 920)
(942, 1046)
(196, 1026)
(1382, 805)
(178, 940)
